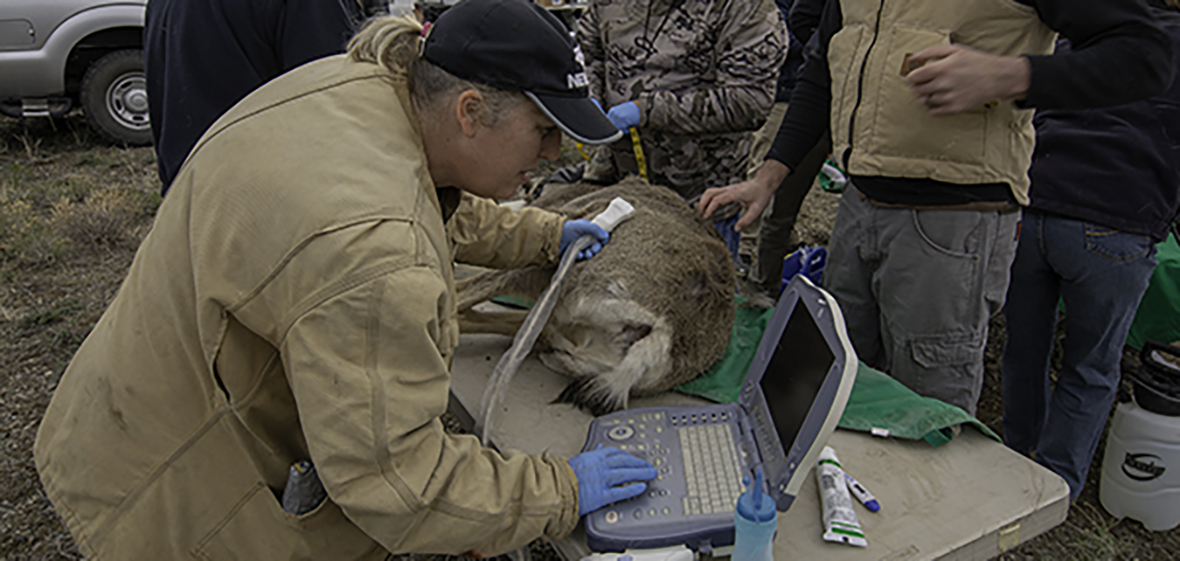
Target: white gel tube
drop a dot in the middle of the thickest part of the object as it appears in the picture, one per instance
(840, 523)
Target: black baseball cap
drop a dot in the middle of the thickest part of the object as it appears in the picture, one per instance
(516, 45)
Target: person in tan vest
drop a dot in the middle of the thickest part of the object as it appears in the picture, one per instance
(929, 104)
(294, 304)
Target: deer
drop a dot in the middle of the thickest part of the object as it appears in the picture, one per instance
(652, 310)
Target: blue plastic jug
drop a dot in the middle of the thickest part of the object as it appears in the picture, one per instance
(755, 520)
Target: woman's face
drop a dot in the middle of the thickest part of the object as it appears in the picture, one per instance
(503, 154)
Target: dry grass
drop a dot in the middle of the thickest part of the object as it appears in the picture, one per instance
(62, 196)
(73, 210)
(105, 218)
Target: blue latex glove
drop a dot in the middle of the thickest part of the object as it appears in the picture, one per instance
(602, 473)
(574, 229)
(624, 116)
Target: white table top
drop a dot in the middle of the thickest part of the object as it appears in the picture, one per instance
(972, 498)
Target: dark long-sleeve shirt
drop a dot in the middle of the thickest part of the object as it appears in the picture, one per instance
(203, 56)
(804, 18)
(1121, 55)
(1116, 166)
(787, 75)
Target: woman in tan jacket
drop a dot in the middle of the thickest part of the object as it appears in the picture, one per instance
(295, 301)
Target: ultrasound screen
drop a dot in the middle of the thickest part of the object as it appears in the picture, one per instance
(800, 363)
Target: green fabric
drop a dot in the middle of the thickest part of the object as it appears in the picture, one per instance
(514, 301)
(877, 400)
(1157, 317)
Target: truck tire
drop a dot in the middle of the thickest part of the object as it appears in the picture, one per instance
(114, 98)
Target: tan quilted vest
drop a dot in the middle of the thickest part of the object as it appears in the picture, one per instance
(876, 114)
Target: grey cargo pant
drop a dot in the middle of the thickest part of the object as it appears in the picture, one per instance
(917, 288)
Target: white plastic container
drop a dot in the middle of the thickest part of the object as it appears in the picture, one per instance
(1141, 468)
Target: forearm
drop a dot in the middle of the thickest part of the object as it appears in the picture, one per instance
(772, 173)
(368, 370)
(1013, 77)
(725, 109)
(808, 114)
(487, 234)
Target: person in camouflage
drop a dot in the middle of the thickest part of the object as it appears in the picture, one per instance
(702, 76)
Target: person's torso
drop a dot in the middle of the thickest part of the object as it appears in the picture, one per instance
(881, 128)
(658, 45)
(202, 57)
(672, 46)
(1118, 167)
(186, 361)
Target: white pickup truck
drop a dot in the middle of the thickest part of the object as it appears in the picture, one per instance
(59, 54)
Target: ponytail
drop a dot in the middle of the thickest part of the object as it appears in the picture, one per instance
(390, 41)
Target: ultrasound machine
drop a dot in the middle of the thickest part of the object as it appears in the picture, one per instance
(790, 402)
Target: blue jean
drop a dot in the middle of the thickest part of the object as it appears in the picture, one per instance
(1100, 274)
(731, 238)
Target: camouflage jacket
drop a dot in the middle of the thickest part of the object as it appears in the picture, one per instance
(703, 73)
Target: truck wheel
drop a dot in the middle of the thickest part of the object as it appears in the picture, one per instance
(114, 98)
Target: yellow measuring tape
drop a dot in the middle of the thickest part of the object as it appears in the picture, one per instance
(582, 150)
(638, 148)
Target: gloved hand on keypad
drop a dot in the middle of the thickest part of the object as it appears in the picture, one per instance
(609, 475)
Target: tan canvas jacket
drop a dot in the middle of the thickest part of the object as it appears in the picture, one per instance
(295, 299)
(703, 73)
(891, 131)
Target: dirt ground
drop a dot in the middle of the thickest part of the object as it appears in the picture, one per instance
(73, 210)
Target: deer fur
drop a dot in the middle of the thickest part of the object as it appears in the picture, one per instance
(652, 310)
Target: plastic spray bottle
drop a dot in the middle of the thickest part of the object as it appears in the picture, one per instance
(755, 520)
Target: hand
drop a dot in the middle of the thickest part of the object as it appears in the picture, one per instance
(601, 471)
(624, 116)
(574, 229)
(954, 78)
(753, 195)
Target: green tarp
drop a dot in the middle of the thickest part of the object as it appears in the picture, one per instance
(1159, 313)
(877, 400)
